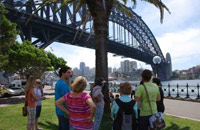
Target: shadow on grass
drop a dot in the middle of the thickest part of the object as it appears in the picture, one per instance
(48, 125)
(174, 126)
(106, 123)
(12, 100)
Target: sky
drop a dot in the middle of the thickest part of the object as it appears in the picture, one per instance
(179, 34)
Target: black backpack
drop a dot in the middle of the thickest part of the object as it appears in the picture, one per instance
(125, 119)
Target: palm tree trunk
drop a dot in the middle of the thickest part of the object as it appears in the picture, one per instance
(100, 17)
(101, 45)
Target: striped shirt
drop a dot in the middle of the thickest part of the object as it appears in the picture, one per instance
(79, 110)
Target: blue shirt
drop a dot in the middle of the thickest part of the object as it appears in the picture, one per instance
(60, 90)
(123, 98)
(38, 93)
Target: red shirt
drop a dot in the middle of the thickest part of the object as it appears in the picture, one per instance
(31, 101)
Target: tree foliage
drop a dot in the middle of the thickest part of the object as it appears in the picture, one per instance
(26, 60)
(8, 34)
(23, 58)
(56, 62)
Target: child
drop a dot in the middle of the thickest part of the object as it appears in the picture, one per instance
(124, 106)
(39, 93)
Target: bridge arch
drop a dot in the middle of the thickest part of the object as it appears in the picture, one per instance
(61, 31)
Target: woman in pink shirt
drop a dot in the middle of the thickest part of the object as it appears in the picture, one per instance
(80, 106)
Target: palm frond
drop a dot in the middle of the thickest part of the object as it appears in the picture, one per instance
(87, 15)
(134, 2)
(90, 35)
(123, 8)
(78, 7)
(25, 4)
(37, 9)
(83, 21)
(125, 1)
(159, 4)
(64, 3)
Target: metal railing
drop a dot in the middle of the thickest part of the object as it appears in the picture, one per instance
(174, 91)
(181, 91)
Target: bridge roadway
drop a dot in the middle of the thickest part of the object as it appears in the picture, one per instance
(177, 108)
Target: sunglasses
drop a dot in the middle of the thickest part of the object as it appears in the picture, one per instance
(38, 83)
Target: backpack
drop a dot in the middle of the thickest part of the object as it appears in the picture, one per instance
(125, 119)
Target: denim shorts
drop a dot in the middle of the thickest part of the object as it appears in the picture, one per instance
(38, 111)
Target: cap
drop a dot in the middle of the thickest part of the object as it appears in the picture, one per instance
(38, 80)
(100, 81)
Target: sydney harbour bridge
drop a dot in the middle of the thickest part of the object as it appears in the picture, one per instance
(128, 37)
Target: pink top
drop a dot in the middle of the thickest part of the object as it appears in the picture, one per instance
(79, 110)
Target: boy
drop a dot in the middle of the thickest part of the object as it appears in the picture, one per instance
(126, 105)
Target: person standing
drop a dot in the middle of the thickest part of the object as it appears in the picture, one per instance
(31, 98)
(98, 99)
(133, 91)
(39, 93)
(80, 107)
(125, 104)
(140, 96)
(160, 104)
(60, 90)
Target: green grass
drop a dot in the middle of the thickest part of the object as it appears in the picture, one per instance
(11, 119)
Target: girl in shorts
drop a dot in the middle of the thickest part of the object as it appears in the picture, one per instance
(31, 98)
(39, 93)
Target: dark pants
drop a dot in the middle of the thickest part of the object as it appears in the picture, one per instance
(38, 111)
(63, 123)
(132, 93)
(143, 123)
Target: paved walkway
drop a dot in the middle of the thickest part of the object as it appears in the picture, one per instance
(184, 109)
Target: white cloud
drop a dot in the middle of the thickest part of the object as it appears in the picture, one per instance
(182, 46)
(73, 54)
(184, 13)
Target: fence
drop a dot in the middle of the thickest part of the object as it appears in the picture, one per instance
(175, 91)
(181, 91)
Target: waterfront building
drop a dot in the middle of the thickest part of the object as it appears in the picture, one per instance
(82, 68)
(109, 70)
(86, 71)
(92, 71)
(132, 66)
(126, 66)
(76, 71)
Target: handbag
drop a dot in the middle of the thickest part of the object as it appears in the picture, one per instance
(24, 108)
(24, 111)
(156, 120)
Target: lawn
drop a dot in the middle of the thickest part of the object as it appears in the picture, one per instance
(12, 119)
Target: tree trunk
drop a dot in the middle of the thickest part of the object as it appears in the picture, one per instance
(100, 18)
(101, 34)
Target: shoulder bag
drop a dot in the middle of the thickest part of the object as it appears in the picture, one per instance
(156, 120)
(24, 108)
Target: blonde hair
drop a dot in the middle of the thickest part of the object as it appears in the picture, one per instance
(29, 84)
(79, 84)
(125, 88)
